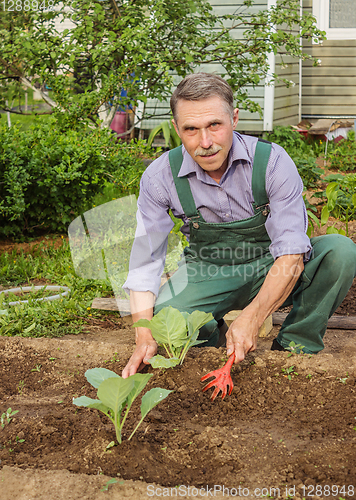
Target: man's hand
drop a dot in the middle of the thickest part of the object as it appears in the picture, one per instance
(141, 304)
(241, 338)
(146, 348)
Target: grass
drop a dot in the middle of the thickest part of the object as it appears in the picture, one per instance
(24, 121)
(67, 315)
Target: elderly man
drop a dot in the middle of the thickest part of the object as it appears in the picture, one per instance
(240, 200)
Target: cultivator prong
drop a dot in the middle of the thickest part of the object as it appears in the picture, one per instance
(222, 379)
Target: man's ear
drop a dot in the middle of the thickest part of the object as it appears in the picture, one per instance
(176, 127)
(236, 117)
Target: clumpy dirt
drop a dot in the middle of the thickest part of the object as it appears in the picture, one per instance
(288, 430)
(291, 436)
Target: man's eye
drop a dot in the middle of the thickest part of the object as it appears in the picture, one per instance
(214, 125)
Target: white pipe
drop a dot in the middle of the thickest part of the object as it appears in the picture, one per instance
(300, 94)
(34, 288)
(268, 106)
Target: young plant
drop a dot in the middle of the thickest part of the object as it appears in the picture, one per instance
(6, 417)
(295, 348)
(176, 331)
(288, 372)
(116, 395)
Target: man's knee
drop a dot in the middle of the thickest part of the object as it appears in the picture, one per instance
(339, 252)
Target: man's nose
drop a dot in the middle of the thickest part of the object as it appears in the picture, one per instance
(205, 139)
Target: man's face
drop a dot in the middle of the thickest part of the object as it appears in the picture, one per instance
(206, 130)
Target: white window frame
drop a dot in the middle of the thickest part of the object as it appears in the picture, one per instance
(321, 12)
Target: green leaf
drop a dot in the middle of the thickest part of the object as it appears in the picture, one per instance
(113, 392)
(197, 319)
(153, 134)
(140, 380)
(162, 362)
(30, 328)
(106, 486)
(153, 398)
(324, 215)
(90, 403)
(96, 376)
(166, 132)
(168, 326)
(313, 217)
(332, 230)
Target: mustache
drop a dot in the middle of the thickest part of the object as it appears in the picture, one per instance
(207, 152)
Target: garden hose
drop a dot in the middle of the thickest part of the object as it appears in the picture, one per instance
(34, 288)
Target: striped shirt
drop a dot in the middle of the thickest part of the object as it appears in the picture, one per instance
(229, 200)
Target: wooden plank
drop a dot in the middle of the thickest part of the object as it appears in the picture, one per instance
(287, 120)
(329, 110)
(323, 72)
(111, 304)
(332, 81)
(335, 322)
(328, 44)
(330, 92)
(328, 101)
(235, 3)
(333, 62)
(285, 116)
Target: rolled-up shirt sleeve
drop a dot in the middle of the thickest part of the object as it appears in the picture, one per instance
(150, 245)
(287, 222)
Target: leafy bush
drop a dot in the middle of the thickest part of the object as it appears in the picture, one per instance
(309, 172)
(48, 177)
(341, 204)
(303, 152)
(342, 155)
(290, 140)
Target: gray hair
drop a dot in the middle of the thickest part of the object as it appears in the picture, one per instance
(199, 86)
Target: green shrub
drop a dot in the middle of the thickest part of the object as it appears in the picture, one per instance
(303, 152)
(342, 155)
(48, 177)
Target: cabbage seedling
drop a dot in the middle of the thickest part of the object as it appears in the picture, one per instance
(176, 331)
(116, 395)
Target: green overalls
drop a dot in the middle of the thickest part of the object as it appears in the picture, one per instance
(226, 263)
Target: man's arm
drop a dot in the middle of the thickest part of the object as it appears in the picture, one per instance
(141, 304)
(242, 335)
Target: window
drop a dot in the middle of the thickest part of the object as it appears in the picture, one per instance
(337, 18)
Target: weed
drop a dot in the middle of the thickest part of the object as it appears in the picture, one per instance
(20, 387)
(295, 348)
(113, 359)
(288, 372)
(111, 481)
(37, 368)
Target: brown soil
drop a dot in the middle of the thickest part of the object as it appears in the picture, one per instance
(271, 432)
(292, 438)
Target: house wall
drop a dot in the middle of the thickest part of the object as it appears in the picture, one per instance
(248, 122)
(286, 99)
(330, 88)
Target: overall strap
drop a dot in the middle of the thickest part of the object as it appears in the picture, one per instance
(260, 161)
(182, 185)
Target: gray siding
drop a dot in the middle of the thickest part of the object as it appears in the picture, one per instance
(330, 88)
(286, 99)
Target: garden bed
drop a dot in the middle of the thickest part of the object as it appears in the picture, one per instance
(271, 433)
